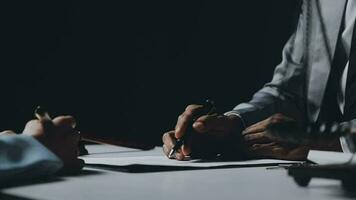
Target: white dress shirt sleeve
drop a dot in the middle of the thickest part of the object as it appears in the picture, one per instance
(345, 148)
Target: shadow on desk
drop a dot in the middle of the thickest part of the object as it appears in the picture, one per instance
(12, 197)
(18, 183)
(138, 168)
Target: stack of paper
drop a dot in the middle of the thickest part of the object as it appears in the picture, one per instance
(164, 161)
(331, 158)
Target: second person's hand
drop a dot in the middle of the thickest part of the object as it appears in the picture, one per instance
(211, 134)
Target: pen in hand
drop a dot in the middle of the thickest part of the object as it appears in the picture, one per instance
(43, 116)
(208, 109)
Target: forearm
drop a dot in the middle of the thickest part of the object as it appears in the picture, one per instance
(266, 103)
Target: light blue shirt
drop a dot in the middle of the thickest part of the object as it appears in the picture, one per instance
(23, 157)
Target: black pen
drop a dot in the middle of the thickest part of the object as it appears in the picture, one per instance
(208, 109)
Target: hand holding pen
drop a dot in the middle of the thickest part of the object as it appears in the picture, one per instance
(59, 136)
(200, 132)
(206, 109)
(43, 116)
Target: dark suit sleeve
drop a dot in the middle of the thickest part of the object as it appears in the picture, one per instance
(286, 92)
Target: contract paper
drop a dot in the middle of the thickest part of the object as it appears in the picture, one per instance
(161, 160)
(331, 158)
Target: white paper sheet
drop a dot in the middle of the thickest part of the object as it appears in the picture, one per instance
(164, 161)
(331, 158)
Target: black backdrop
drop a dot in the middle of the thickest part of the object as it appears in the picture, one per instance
(129, 68)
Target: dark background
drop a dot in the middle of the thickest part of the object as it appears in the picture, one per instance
(128, 69)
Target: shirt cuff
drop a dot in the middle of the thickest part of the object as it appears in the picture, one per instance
(238, 115)
(344, 146)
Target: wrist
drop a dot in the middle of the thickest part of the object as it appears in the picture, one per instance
(234, 146)
(327, 145)
(236, 120)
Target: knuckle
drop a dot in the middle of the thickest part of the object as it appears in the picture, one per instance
(184, 116)
(181, 116)
(65, 121)
(189, 113)
(191, 107)
(32, 122)
(164, 137)
(261, 134)
(167, 137)
(69, 117)
(277, 117)
(280, 115)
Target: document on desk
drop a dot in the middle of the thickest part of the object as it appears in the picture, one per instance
(331, 158)
(164, 161)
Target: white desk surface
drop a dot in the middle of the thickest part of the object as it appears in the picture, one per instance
(234, 183)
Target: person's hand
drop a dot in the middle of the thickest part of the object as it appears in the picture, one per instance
(210, 134)
(258, 133)
(61, 139)
(7, 132)
(261, 144)
(278, 150)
